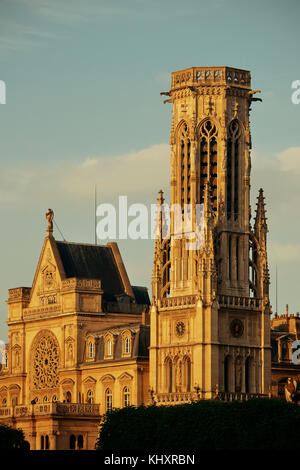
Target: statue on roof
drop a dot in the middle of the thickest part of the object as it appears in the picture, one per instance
(49, 217)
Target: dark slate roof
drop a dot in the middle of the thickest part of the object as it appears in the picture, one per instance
(91, 262)
(141, 295)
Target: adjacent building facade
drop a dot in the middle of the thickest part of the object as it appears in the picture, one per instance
(78, 345)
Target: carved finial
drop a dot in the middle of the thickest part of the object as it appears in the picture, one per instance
(49, 217)
(160, 198)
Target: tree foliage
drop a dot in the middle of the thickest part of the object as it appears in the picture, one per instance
(205, 425)
(12, 439)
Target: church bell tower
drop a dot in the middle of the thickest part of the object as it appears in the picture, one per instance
(210, 316)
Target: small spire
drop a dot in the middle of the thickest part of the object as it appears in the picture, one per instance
(49, 217)
(260, 219)
(160, 198)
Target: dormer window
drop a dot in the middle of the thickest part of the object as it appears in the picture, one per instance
(126, 342)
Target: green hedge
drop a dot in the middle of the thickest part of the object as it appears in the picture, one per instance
(11, 439)
(204, 425)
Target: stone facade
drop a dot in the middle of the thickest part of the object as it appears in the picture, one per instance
(284, 330)
(77, 346)
(210, 314)
(82, 339)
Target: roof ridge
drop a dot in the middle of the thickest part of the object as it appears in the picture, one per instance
(80, 244)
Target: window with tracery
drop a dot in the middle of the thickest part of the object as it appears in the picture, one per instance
(127, 345)
(233, 152)
(185, 165)
(169, 375)
(91, 350)
(209, 161)
(45, 362)
(253, 257)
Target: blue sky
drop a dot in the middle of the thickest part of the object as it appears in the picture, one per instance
(83, 107)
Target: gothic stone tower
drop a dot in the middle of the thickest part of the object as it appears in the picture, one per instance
(210, 316)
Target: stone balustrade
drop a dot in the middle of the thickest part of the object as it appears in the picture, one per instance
(175, 398)
(182, 301)
(224, 301)
(58, 409)
(210, 75)
(239, 302)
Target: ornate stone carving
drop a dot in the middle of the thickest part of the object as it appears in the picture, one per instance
(45, 361)
(49, 217)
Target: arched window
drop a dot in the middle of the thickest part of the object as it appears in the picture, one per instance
(42, 442)
(47, 442)
(227, 374)
(72, 442)
(233, 168)
(237, 258)
(91, 349)
(285, 351)
(68, 397)
(46, 399)
(109, 347)
(185, 163)
(90, 396)
(80, 442)
(238, 374)
(54, 398)
(253, 255)
(209, 161)
(108, 399)
(187, 374)
(127, 345)
(169, 375)
(126, 396)
(229, 257)
(248, 375)
(4, 402)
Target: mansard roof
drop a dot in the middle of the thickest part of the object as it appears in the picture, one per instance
(98, 262)
(91, 262)
(140, 341)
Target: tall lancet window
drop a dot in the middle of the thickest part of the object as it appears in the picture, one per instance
(233, 151)
(185, 162)
(209, 161)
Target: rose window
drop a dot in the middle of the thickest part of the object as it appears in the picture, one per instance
(45, 363)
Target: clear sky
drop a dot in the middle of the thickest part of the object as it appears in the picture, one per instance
(83, 107)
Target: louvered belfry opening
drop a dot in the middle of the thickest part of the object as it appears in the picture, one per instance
(209, 161)
(185, 166)
(233, 151)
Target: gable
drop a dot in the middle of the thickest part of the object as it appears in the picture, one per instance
(48, 276)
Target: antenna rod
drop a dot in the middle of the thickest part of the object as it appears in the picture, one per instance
(276, 291)
(95, 214)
